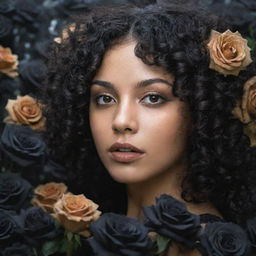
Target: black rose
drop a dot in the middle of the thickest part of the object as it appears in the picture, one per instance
(32, 74)
(6, 6)
(22, 145)
(17, 249)
(170, 218)
(251, 231)
(115, 234)
(54, 171)
(10, 228)
(26, 11)
(6, 27)
(70, 7)
(39, 226)
(224, 239)
(14, 191)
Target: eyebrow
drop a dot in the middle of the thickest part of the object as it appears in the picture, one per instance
(141, 84)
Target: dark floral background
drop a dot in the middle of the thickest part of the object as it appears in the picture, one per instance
(28, 28)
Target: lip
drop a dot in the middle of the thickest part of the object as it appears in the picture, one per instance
(125, 157)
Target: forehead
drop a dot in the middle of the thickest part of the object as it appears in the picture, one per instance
(120, 64)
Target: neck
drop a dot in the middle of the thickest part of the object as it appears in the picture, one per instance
(144, 193)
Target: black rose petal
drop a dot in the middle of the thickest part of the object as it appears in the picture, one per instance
(39, 226)
(170, 218)
(6, 6)
(55, 172)
(22, 145)
(251, 231)
(224, 239)
(14, 191)
(6, 27)
(115, 234)
(18, 249)
(10, 227)
(32, 74)
(26, 11)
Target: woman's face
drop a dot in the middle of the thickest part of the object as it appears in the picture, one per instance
(133, 103)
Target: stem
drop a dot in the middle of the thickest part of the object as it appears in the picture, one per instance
(70, 248)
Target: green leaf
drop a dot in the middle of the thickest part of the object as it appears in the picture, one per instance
(63, 245)
(77, 239)
(162, 244)
(50, 247)
(69, 236)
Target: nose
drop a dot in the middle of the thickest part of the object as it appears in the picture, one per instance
(125, 118)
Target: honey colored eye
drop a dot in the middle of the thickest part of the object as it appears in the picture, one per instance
(103, 100)
(153, 99)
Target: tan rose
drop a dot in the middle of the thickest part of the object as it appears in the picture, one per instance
(245, 109)
(25, 110)
(75, 213)
(48, 194)
(229, 52)
(8, 62)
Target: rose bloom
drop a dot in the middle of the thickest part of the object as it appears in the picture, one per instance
(75, 213)
(229, 52)
(48, 194)
(25, 110)
(8, 62)
(245, 109)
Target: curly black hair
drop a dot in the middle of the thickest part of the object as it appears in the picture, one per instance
(221, 163)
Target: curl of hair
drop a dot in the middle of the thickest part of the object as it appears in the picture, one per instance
(221, 162)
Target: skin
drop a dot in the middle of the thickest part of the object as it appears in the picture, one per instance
(158, 125)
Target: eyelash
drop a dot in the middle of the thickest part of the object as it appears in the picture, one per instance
(163, 99)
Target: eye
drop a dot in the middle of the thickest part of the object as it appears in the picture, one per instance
(103, 99)
(154, 99)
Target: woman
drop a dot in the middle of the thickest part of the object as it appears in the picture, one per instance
(141, 103)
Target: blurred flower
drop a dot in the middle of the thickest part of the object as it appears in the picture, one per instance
(229, 52)
(76, 213)
(245, 109)
(224, 239)
(9, 227)
(170, 218)
(116, 235)
(25, 110)
(17, 249)
(6, 27)
(251, 231)
(6, 6)
(32, 74)
(8, 62)
(22, 146)
(38, 226)
(26, 11)
(14, 191)
(48, 194)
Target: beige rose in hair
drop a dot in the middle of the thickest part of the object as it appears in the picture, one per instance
(48, 194)
(245, 109)
(26, 111)
(229, 52)
(8, 62)
(75, 213)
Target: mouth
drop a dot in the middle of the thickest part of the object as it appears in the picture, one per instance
(125, 152)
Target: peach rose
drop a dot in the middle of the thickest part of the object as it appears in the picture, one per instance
(75, 213)
(8, 62)
(229, 52)
(48, 194)
(25, 110)
(245, 109)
